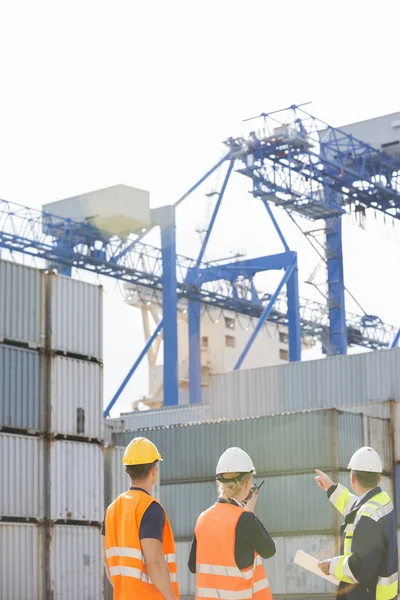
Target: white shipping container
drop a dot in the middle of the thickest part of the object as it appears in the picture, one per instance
(76, 563)
(142, 419)
(21, 564)
(187, 581)
(287, 578)
(21, 304)
(76, 473)
(21, 476)
(335, 381)
(76, 397)
(76, 316)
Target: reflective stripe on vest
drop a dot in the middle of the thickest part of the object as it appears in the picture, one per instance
(123, 548)
(387, 587)
(133, 553)
(217, 574)
(342, 499)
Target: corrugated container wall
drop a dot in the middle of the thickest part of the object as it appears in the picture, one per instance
(21, 304)
(285, 578)
(76, 564)
(20, 397)
(162, 417)
(288, 505)
(21, 564)
(334, 381)
(185, 578)
(76, 397)
(76, 316)
(21, 476)
(76, 473)
(116, 481)
(290, 443)
(383, 410)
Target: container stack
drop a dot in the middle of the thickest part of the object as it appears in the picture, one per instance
(51, 435)
(285, 450)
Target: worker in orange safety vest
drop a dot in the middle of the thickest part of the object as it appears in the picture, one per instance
(138, 543)
(229, 540)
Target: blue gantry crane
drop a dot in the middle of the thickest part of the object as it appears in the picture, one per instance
(295, 162)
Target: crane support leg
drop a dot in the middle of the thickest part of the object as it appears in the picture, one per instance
(194, 352)
(292, 287)
(133, 369)
(396, 339)
(336, 301)
(264, 316)
(170, 304)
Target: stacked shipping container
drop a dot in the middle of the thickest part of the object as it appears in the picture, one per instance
(51, 432)
(285, 449)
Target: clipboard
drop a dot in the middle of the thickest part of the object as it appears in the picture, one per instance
(311, 564)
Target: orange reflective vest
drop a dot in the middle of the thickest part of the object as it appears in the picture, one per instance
(217, 575)
(124, 554)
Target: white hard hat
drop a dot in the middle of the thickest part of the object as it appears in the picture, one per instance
(366, 459)
(235, 460)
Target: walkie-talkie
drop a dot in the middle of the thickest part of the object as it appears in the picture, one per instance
(254, 488)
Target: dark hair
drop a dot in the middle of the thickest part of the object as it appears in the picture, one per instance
(367, 479)
(140, 472)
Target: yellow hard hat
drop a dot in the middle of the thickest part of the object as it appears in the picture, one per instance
(140, 451)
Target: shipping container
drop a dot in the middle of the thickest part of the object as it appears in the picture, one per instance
(76, 320)
(290, 443)
(20, 388)
(284, 576)
(21, 564)
(333, 381)
(76, 481)
(185, 578)
(116, 480)
(76, 397)
(76, 564)
(287, 505)
(386, 442)
(141, 419)
(21, 304)
(21, 476)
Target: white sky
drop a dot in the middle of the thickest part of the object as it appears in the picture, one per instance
(143, 93)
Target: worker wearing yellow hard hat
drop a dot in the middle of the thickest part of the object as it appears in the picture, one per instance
(367, 566)
(138, 543)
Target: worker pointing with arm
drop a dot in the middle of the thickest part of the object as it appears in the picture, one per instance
(229, 539)
(368, 564)
(138, 544)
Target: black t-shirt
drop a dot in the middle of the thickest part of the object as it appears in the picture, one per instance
(251, 536)
(153, 521)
